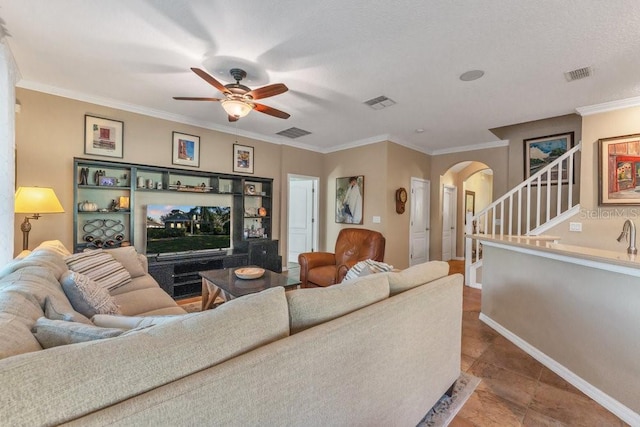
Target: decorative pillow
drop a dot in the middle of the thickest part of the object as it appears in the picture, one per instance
(86, 296)
(310, 307)
(101, 267)
(128, 257)
(51, 312)
(366, 267)
(133, 322)
(52, 333)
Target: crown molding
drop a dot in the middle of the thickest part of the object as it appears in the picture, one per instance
(481, 146)
(359, 143)
(133, 108)
(609, 106)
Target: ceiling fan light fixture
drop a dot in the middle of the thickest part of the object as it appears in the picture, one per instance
(236, 108)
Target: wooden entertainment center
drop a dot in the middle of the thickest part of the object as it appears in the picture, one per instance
(110, 201)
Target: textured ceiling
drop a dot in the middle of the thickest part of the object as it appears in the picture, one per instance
(334, 55)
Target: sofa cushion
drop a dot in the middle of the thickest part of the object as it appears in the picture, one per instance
(310, 307)
(55, 246)
(15, 336)
(110, 371)
(53, 333)
(101, 267)
(44, 257)
(143, 301)
(366, 267)
(132, 322)
(57, 313)
(142, 282)
(22, 299)
(86, 296)
(416, 275)
(128, 257)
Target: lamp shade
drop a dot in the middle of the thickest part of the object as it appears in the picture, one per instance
(236, 108)
(37, 200)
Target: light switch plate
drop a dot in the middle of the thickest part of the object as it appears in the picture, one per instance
(376, 220)
(575, 226)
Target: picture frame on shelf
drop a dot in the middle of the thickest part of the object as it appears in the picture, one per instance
(619, 170)
(103, 137)
(350, 199)
(107, 181)
(243, 158)
(541, 151)
(186, 149)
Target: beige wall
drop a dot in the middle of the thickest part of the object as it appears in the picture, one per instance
(403, 164)
(50, 132)
(583, 318)
(370, 161)
(386, 166)
(600, 225)
(300, 162)
(494, 158)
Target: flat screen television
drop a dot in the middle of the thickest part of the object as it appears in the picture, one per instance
(176, 229)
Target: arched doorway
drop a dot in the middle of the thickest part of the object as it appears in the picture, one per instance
(470, 183)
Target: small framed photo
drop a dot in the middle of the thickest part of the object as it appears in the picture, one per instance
(242, 158)
(186, 149)
(619, 170)
(541, 151)
(108, 181)
(103, 137)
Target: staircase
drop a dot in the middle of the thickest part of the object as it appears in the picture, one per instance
(529, 209)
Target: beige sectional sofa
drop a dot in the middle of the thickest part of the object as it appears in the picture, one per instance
(378, 350)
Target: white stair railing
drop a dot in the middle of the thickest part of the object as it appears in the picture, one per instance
(528, 209)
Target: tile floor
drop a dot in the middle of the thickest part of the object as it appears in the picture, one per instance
(516, 390)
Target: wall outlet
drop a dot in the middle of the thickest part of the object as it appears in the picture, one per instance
(575, 226)
(376, 220)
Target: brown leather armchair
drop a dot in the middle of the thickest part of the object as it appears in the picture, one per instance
(353, 245)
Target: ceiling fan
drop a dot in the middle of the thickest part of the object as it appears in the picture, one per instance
(238, 99)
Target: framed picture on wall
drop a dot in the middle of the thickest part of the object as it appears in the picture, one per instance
(186, 149)
(469, 203)
(242, 158)
(541, 151)
(350, 199)
(103, 137)
(619, 170)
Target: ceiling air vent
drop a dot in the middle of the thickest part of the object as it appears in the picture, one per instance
(380, 102)
(580, 73)
(293, 133)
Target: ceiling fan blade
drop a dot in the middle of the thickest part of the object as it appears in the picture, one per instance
(209, 79)
(233, 119)
(190, 98)
(267, 91)
(272, 111)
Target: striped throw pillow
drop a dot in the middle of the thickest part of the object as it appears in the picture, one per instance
(101, 267)
(366, 267)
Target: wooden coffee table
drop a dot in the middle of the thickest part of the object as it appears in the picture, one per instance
(216, 281)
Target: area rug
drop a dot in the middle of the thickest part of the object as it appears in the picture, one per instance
(447, 407)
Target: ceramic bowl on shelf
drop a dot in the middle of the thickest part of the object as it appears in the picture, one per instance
(249, 273)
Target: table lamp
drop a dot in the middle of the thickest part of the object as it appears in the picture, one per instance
(35, 200)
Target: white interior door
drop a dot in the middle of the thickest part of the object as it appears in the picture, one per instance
(420, 220)
(449, 217)
(302, 229)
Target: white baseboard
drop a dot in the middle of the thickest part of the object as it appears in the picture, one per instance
(458, 258)
(623, 412)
